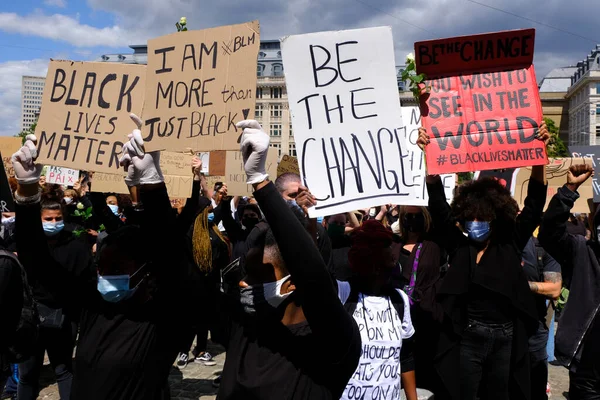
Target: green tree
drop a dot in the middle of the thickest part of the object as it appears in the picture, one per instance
(556, 147)
(30, 131)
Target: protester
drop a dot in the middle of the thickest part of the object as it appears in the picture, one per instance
(420, 262)
(57, 311)
(289, 311)
(207, 253)
(576, 343)
(113, 203)
(339, 267)
(545, 281)
(127, 343)
(383, 317)
(288, 184)
(576, 225)
(485, 296)
(238, 233)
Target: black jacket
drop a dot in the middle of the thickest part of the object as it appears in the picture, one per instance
(581, 271)
(500, 272)
(11, 302)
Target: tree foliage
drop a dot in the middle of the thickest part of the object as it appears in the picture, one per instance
(556, 147)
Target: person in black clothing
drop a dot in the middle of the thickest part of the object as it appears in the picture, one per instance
(485, 295)
(288, 309)
(577, 344)
(127, 343)
(545, 281)
(238, 234)
(56, 312)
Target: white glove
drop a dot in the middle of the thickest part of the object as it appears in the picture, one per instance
(254, 148)
(23, 161)
(142, 168)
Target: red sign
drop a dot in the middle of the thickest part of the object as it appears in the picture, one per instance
(488, 117)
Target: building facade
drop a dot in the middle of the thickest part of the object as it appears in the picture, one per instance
(32, 89)
(584, 101)
(553, 92)
(272, 109)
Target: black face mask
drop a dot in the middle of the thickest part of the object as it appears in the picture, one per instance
(249, 222)
(414, 223)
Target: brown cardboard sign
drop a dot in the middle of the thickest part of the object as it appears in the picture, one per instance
(199, 84)
(288, 164)
(235, 174)
(217, 163)
(9, 146)
(84, 118)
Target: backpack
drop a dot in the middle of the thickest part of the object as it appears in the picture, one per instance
(26, 332)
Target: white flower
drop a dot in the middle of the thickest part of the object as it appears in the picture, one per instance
(80, 206)
(183, 21)
(410, 58)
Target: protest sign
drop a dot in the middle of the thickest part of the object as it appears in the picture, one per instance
(217, 163)
(8, 147)
(7, 203)
(199, 84)
(288, 164)
(84, 118)
(205, 158)
(235, 174)
(483, 108)
(176, 168)
(556, 174)
(593, 153)
(345, 108)
(61, 175)
(415, 159)
(507, 177)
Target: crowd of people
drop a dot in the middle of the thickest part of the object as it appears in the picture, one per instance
(452, 298)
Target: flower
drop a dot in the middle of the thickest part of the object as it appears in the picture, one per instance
(183, 21)
(410, 58)
(80, 206)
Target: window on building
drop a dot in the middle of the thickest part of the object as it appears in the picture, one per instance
(291, 130)
(276, 111)
(277, 70)
(260, 70)
(276, 93)
(259, 93)
(262, 54)
(597, 130)
(278, 147)
(598, 88)
(258, 113)
(293, 150)
(275, 129)
(598, 109)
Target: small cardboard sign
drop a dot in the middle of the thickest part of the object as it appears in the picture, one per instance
(8, 147)
(199, 85)
(343, 97)
(235, 174)
(61, 175)
(84, 118)
(288, 164)
(483, 109)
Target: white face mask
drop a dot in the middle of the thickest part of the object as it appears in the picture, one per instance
(68, 200)
(263, 297)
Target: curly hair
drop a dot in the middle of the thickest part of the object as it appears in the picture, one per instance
(485, 199)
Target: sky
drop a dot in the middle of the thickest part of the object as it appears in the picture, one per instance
(34, 31)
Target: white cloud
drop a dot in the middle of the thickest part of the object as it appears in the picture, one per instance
(10, 91)
(63, 28)
(56, 3)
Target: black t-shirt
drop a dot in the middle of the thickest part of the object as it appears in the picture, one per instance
(535, 273)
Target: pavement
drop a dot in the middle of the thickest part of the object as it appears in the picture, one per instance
(195, 381)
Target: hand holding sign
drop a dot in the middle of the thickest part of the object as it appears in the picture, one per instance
(577, 175)
(305, 199)
(142, 168)
(26, 170)
(254, 148)
(197, 166)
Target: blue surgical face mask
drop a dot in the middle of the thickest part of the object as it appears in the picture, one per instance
(211, 217)
(115, 288)
(320, 220)
(114, 209)
(478, 231)
(293, 204)
(53, 228)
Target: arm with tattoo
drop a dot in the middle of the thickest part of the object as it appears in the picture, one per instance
(551, 286)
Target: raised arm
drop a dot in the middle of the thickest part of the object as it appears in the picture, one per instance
(186, 218)
(322, 308)
(554, 237)
(233, 228)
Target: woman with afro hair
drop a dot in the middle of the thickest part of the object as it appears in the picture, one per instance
(489, 311)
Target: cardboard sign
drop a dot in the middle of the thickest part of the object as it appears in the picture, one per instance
(7, 203)
(176, 168)
(483, 109)
(84, 118)
(415, 159)
(217, 163)
(556, 173)
(343, 97)
(235, 175)
(288, 164)
(8, 147)
(61, 176)
(199, 85)
(593, 153)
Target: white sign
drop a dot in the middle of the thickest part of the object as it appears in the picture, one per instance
(415, 159)
(343, 97)
(61, 176)
(205, 157)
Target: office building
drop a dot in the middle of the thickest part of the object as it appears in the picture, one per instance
(553, 91)
(584, 101)
(32, 89)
